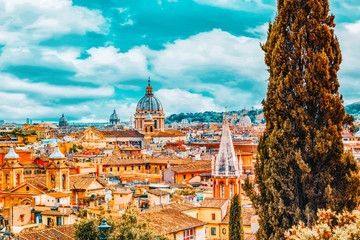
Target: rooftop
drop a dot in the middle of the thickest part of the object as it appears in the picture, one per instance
(168, 220)
(213, 202)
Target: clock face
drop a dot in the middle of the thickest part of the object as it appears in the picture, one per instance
(224, 231)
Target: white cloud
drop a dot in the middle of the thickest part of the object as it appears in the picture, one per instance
(25, 21)
(353, 28)
(209, 51)
(42, 89)
(349, 74)
(177, 100)
(18, 106)
(244, 5)
(112, 65)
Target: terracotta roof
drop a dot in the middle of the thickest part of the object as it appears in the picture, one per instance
(176, 206)
(250, 236)
(63, 232)
(122, 192)
(169, 133)
(57, 213)
(37, 181)
(84, 181)
(196, 166)
(6, 150)
(168, 220)
(158, 192)
(115, 160)
(30, 165)
(246, 216)
(125, 133)
(213, 202)
(59, 194)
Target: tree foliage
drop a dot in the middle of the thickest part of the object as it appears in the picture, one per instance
(301, 165)
(185, 192)
(236, 231)
(86, 226)
(129, 227)
(329, 226)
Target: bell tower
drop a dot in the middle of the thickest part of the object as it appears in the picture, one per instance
(226, 169)
(57, 172)
(12, 170)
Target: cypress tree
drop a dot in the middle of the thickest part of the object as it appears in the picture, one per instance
(236, 231)
(301, 165)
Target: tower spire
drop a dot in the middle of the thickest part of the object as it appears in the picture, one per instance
(149, 89)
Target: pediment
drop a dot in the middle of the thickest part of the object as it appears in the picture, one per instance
(9, 165)
(27, 188)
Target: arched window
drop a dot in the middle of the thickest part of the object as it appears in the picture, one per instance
(53, 181)
(7, 178)
(63, 181)
(222, 190)
(151, 129)
(17, 179)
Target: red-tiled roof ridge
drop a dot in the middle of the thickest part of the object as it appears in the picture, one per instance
(63, 232)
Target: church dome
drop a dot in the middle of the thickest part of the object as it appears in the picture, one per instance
(114, 118)
(149, 102)
(63, 121)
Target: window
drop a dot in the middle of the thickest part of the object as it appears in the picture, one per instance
(125, 168)
(192, 175)
(184, 177)
(213, 216)
(132, 168)
(139, 167)
(118, 169)
(213, 231)
(188, 234)
(22, 217)
(155, 169)
(110, 169)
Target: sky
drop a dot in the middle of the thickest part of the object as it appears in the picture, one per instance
(85, 58)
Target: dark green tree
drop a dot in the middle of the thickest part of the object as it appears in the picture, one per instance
(236, 231)
(301, 164)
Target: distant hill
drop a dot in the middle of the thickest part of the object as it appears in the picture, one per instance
(204, 117)
(353, 109)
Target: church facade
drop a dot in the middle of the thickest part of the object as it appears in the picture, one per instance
(149, 116)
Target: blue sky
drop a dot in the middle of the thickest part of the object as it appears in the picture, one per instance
(86, 57)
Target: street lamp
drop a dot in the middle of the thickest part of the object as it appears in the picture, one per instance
(104, 230)
(7, 234)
